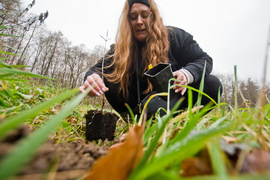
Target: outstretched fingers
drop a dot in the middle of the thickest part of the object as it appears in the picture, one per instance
(97, 84)
(182, 81)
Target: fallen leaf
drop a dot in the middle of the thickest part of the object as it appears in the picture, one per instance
(257, 161)
(115, 146)
(121, 160)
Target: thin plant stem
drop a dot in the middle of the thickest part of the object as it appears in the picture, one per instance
(236, 90)
(102, 69)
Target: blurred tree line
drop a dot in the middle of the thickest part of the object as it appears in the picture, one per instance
(248, 90)
(45, 52)
(51, 54)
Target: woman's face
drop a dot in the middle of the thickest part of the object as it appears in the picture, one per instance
(139, 17)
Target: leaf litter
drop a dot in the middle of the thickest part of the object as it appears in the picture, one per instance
(121, 159)
(76, 156)
(82, 158)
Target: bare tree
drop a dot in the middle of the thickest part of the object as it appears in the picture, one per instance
(57, 39)
(10, 10)
(38, 49)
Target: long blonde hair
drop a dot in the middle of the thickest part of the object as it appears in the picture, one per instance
(155, 51)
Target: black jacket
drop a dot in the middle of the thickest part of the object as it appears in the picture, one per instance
(184, 53)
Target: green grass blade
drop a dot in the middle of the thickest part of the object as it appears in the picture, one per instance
(149, 132)
(7, 53)
(202, 122)
(146, 104)
(194, 89)
(178, 151)
(16, 71)
(9, 124)
(131, 113)
(190, 126)
(157, 136)
(216, 159)
(201, 85)
(3, 63)
(155, 140)
(5, 75)
(13, 79)
(219, 121)
(1, 59)
(24, 151)
(3, 27)
(1, 34)
(10, 47)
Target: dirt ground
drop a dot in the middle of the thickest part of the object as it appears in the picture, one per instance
(60, 161)
(72, 160)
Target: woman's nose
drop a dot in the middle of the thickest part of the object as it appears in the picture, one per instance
(139, 21)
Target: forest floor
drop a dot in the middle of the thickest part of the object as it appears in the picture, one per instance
(70, 160)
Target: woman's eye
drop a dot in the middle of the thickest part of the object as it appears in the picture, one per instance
(145, 15)
(133, 17)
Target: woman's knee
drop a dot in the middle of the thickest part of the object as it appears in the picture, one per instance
(213, 87)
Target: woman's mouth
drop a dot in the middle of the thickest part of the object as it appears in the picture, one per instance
(141, 30)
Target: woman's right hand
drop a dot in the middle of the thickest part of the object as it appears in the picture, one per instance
(98, 86)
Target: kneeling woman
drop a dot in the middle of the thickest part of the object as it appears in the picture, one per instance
(143, 39)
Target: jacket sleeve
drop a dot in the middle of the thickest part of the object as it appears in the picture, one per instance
(189, 55)
(97, 68)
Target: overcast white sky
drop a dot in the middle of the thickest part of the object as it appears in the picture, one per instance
(232, 32)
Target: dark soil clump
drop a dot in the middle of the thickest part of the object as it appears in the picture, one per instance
(100, 125)
(72, 156)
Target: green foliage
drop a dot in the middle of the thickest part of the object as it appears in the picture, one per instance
(38, 103)
(177, 149)
(170, 140)
(21, 94)
(15, 94)
(25, 149)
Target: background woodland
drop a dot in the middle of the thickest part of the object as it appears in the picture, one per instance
(52, 55)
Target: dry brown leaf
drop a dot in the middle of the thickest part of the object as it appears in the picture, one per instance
(121, 160)
(116, 146)
(195, 166)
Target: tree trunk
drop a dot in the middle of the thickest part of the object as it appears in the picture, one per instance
(51, 58)
(19, 61)
(36, 59)
(18, 47)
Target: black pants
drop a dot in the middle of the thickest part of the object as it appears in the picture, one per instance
(212, 86)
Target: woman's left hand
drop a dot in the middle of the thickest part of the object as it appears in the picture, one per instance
(179, 75)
